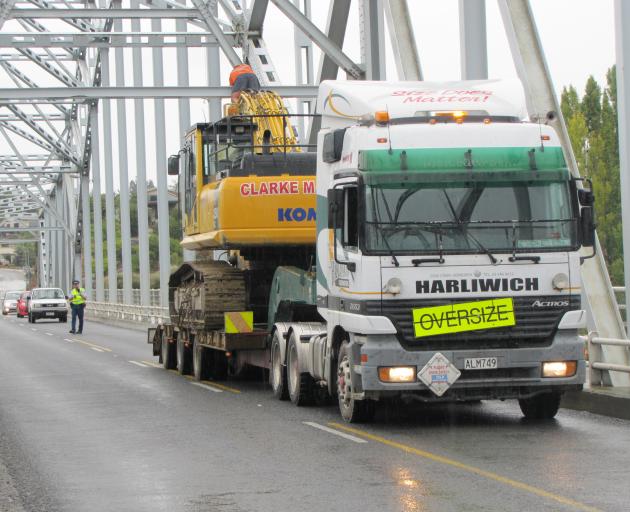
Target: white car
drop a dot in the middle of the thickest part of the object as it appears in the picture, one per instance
(9, 303)
(47, 303)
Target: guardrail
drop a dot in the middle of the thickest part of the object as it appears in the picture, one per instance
(152, 315)
(596, 366)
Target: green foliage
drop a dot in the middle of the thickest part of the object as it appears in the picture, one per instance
(592, 126)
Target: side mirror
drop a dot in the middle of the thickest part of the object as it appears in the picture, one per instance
(586, 197)
(335, 208)
(587, 226)
(173, 165)
(333, 146)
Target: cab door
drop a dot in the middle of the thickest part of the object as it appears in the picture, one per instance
(189, 164)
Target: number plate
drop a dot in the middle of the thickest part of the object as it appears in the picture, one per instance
(481, 363)
(50, 313)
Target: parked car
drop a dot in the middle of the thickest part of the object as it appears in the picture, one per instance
(22, 304)
(9, 302)
(47, 303)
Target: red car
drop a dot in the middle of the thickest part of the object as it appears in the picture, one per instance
(22, 304)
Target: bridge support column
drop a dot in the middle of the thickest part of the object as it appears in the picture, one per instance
(99, 271)
(472, 39)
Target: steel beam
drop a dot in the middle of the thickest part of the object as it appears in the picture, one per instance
(21, 40)
(256, 15)
(205, 9)
(319, 38)
(543, 105)
(403, 40)
(106, 92)
(472, 39)
(86, 237)
(73, 13)
(372, 32)
(97, 208)
(622, 47)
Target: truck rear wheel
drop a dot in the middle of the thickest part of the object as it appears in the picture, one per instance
(278, 373)
(351, 409)
(300, 384)
(540, 407)
(183, 357)
(168, 354)
(201, 367)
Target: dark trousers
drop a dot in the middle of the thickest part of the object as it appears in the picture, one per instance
(77, 311)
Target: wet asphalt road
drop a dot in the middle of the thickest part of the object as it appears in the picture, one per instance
(88, 424)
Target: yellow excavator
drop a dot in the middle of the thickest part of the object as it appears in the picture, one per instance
(248, 196)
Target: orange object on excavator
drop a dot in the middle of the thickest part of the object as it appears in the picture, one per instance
(238, 70)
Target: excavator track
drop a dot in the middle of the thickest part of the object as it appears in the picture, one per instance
(201, 292)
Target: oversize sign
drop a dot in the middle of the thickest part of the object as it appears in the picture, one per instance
(465, 316)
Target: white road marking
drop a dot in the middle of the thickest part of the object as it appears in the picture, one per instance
(97, 349)
(138, 364)
(210, 388)
(69, 341)
(33, 329)
(49, 334)
(335, 432)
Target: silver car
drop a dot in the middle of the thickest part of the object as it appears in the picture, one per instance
(9, 303)
(47, 303)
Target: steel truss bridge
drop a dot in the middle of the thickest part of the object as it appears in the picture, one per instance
(68, 69)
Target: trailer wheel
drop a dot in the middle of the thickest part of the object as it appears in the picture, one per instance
(300, 384)
(183, 357)
(200, 362)
(351, 409)
(168, 354)
(218, 365)
(540, 407)
(278, 373)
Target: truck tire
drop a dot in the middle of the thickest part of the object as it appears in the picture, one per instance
(201, 367)
(168, 354)
(352, 410)
(300, 384)
(540, 407)
(183, 357)
(278, 372)
(219, 365)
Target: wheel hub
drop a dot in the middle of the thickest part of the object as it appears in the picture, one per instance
(344, 383)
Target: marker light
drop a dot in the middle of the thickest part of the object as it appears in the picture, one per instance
(381, 140)
(381, 117)
(560, 281)
(559, 369)
(458, 114)
(397, 373)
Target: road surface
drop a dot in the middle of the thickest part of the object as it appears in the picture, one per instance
(90, 423)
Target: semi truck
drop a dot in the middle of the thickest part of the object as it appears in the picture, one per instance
(428, 249)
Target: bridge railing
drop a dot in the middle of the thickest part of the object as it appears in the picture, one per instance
(131, 313)
(595, 357)
(154, 295)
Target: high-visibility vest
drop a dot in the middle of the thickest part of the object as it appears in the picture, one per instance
(241, 69)
(76, 298)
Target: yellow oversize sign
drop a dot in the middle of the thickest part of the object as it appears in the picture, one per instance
(239, 321)
(465, 316)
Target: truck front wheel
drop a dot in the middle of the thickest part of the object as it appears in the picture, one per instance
(540, 407)
(351, 409)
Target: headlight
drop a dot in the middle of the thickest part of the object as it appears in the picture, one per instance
(560, 281)
(559, 369)
(393, 286)
(397, 373)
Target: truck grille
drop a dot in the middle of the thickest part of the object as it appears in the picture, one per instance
(535, 326)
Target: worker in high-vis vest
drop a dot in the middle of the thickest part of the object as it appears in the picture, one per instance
(77, 300)
(243, 78)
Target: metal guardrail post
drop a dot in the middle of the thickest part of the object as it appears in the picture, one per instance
(594, 354)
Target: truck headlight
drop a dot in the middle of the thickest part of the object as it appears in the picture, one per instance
(397, 373)
(559, 368)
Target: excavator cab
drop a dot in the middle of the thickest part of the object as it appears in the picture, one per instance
(246, 181)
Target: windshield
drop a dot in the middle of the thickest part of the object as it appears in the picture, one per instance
(468, 216)
(48, 294)
(12, 296)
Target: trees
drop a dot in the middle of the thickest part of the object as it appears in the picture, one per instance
(592, 126)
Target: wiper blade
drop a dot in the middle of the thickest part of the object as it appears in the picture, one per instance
(522, 257)
(466, 233)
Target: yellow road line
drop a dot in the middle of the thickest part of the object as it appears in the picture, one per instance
(93, 345)
(151, 363)
(465, 467)
(221, 386)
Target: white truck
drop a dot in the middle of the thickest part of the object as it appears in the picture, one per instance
(447, 257)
